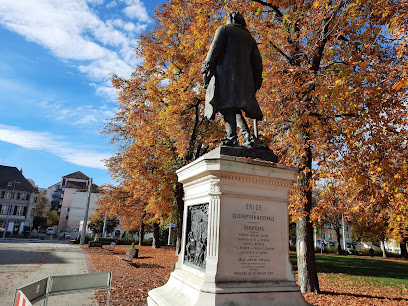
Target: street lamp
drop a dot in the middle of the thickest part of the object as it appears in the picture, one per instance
(84, 225)
(8, 209)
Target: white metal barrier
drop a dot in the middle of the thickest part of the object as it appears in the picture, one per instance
(64, 284)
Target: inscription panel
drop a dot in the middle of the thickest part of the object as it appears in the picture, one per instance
(253, 240)
(195, 251)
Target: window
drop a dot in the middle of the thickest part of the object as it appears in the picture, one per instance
(4, 209)
(66, 217)
(8, 195)
(23, 196)
(66, 208)
(19, 210)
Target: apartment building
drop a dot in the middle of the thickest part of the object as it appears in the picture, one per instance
(18, 198)
(69, 199)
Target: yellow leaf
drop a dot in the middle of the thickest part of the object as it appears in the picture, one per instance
(316, 4)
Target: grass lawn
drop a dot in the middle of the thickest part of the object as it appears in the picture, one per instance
(344, 280)
(376, 270)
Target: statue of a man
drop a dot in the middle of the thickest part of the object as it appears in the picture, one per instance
(232, 75)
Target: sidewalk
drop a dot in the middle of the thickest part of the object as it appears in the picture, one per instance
(25, 261)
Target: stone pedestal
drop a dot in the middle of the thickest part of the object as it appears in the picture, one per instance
(235, 247)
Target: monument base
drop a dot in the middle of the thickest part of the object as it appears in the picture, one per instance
(185, 288)
(235, 246)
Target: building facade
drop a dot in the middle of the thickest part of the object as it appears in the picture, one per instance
(18, 198)
(69, 199)
(326, 234)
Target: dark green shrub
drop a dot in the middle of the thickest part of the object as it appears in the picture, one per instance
(77, 240)
(148, 241)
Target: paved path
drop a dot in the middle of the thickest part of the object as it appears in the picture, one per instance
(25, 261)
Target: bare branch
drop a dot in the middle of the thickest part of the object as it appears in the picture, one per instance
(277, 11)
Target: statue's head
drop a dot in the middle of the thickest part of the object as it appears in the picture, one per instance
(235, 17)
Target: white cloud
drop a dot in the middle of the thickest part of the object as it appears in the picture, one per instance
(81, 115)
(45, 141)
(136, 10)
(50, 106)
(74, 32)
(111, 4)
(95, 2)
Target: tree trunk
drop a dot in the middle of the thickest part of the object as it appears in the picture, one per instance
(307, 272)
(403, 246)
(180, 210)
(383, 248)
(337, 229)
(141, 232)
(156, 236)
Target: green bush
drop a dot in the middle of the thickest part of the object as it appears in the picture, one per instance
(125, 241)
(119, 241)
(77, 240)
(393, 255)
(148, 241)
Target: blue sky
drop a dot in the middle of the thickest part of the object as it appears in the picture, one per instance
(55, 93)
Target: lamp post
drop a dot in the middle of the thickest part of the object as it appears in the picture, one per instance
(8, 209)
(84, 225)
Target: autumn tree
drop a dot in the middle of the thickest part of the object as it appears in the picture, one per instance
(160, 125)
(52, 218)
(332, 206)
(331, 88)
(334, 77)
(97, 221)
(42, 206)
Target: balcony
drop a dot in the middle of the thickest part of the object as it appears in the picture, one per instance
(58, 188)
(55, 203)
(56, 195)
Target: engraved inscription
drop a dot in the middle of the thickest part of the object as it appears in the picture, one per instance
(196, 243)
(252, 244)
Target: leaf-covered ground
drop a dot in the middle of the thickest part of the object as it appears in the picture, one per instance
(341, 289)
(132, 282)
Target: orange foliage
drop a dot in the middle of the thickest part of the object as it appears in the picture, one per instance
(333, 94)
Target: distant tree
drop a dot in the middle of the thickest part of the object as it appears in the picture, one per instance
(42, 205)
(96, 222)
(52, 218)
(39, 222)
(332, 205)
(367, 228)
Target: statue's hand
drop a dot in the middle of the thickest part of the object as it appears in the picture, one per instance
(205, 67)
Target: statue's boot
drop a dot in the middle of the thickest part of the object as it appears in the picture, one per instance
(251, 142)
(230, 141)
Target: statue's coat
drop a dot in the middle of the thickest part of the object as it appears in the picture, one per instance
(236, 63)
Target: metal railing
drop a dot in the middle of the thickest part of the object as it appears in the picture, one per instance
(65, 284)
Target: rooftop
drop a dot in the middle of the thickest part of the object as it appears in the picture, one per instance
(12, 174)
(77, 175)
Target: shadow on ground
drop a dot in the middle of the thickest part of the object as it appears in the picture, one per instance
(19, 257)
(330, 293)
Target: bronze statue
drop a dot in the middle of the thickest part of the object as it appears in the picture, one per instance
(232, 75)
